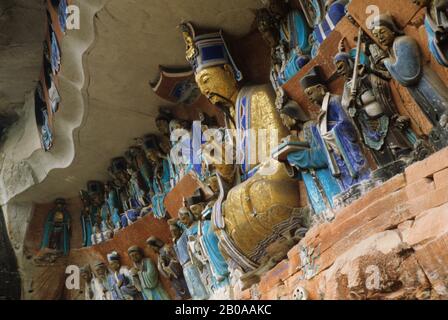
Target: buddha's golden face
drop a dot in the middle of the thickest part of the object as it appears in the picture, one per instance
(217, 82)
(384, 35)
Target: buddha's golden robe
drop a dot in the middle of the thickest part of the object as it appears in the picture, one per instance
(258, 210)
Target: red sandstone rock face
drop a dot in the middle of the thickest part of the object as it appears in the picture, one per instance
(390, 244)
(184, 189)
(380, 267)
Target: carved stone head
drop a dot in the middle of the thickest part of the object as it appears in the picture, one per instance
(218, 84)
(313, 86)
(155, 243)
(385, 30)
(135, 253)
(316, 94)
(186, 217)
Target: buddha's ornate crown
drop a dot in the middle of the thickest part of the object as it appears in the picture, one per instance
(208, 50)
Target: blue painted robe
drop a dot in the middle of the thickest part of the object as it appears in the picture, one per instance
(87, 230)
(129, 217)
(161, 187)
(46, 133)
(436, 25)
(210, 241)
(127, 291)
(137, 194)
(62, 15)
(335, 13)
(150, 283)
(55, 54)
(349, 157)
(113, 204)
(315, 159)
(191, 272)
(297, 37)
(423, 84)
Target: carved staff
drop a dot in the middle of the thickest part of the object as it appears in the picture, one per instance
(355, 77)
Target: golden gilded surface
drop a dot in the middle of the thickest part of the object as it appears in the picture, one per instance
(190, 48)
(264, 116)
(218, 81)
(255, 206)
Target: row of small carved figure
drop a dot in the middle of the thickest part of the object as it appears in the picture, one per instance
(52, 65)
(114, 281)
(193, 265)
(140, 182)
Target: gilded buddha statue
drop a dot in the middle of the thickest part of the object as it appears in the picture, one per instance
(259, 216)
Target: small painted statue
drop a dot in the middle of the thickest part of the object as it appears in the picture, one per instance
(191, 272)
(143, 165)
(201, 210)
(57, 229)
(146, 276)
(339, 136)
(113, 204)
(120, 176)
(369, 102)
(407, 67)
(100, 284)
(97, 195)
(88, 219)
(87, 275)
(161, 184)
(181, 153)
(120, 280)
(187, 219)
(169, 267)
(289, 38)
(315, 171)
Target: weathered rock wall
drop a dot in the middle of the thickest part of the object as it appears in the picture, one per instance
(10, 286)
(391, 244)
